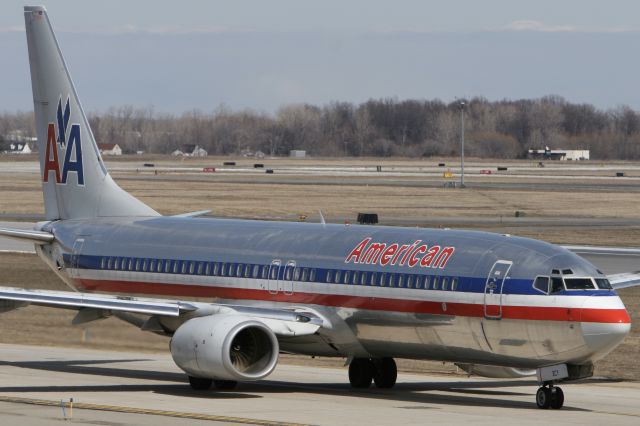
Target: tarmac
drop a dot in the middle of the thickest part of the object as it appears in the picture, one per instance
(131, 388)
(116, 388)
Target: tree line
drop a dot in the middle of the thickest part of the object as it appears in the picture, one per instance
(378, 127)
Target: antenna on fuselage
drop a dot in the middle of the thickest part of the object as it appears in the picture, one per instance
(322, 221)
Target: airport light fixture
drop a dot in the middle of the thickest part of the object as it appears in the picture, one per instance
(462, 104)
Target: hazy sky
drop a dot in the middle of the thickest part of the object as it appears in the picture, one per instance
(180, 55)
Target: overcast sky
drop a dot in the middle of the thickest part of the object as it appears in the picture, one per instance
(181, 55)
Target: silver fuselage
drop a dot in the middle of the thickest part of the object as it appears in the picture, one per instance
(488, 312)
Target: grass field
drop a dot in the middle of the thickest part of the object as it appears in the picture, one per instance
(340, 196)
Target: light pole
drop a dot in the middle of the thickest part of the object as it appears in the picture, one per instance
(461, 144)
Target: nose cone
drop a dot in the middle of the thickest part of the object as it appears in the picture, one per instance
(605, 324)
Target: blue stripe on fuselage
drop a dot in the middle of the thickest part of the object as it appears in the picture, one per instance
(465, 284)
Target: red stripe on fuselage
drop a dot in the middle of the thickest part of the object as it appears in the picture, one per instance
(535, 313)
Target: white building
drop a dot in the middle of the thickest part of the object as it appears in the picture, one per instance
(297, 153)
(560, 154)
(109, 149)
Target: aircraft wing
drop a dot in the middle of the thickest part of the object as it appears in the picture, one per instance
(283, 322)
(617, 263)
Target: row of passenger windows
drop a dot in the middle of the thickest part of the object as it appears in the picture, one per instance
(383, 279)
(291, 272)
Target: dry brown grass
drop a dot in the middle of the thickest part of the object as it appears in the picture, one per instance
(279, 196)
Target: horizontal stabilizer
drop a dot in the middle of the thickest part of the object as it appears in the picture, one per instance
(37, 237)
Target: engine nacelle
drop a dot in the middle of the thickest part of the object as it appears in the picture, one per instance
(496, 372)
(225, 347)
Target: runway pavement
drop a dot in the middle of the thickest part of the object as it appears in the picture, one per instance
(131, 388)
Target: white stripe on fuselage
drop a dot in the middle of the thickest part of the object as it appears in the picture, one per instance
(448, 296)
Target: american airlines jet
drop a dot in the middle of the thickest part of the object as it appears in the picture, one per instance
(496, 305)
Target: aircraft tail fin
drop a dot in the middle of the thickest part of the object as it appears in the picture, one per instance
(75, 181)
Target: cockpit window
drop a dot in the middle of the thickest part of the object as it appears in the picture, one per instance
(579, 283)
(603, 283)
(556, 284)
(542, 284)
(567, 272)
(555, 272)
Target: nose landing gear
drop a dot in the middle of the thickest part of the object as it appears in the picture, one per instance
(549, 396)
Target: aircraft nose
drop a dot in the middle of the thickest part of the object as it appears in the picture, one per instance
(605, 324)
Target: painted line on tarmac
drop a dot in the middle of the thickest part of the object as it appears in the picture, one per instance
(133, 410)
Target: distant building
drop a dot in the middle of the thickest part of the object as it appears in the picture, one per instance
(297, 153)
(110, 149)
(16, 148)
(559, 154)
(17, 142)
(190, 150)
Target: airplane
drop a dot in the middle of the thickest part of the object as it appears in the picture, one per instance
(234, 294)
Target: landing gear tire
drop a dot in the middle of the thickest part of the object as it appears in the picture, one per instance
(386, 373)
(543, 397)
(200, 384)
(557, 398)
(225, 384)
(361, 372)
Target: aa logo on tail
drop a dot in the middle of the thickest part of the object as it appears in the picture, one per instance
(66, 141)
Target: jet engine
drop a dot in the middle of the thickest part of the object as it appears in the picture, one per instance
(496, 372)
(225, 347)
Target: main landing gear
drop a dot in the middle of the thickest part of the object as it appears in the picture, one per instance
(382, 371)
(200, 384)
(549, 396)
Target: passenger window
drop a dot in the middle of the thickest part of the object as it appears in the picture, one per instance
(401, 280)
(305, 274)
(247, 271)
(427, 282)
(239, 270)
(138, 265)
(116, 263)
(374, 277)
(152, 265)
(354, 279)
(223, 269)
(337, 277)
(192, 267)
(296, 275)
(454, 284)
(420, 281)
(274, 272)
(256, 271)
(216, 268)
(159, 266)
(312, 278)
(109, 263)
(556, 284)
(445, 284)
(542, 284)
(131, 264)
(436, 283)
(383, 279)
(231, 271)
(167, 266)
(410, 280)
(363, 278)
(287, 273)
(345, 278)
(265, 271)
(392, 280)
(329, 278)
(207, 270)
